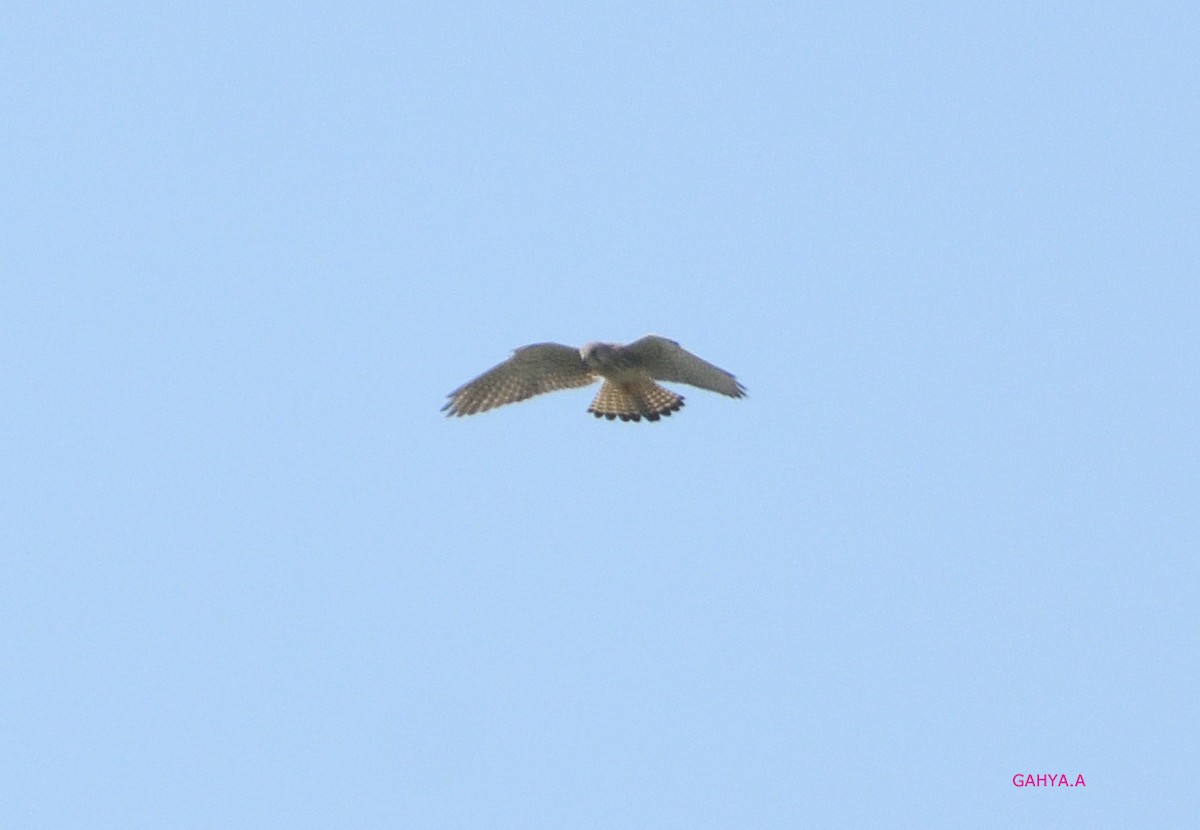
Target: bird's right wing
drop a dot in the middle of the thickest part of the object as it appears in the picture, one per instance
(532, 370)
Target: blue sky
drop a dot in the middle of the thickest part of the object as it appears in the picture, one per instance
(252, 577)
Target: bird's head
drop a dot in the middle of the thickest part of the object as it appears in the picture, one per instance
(598, 355)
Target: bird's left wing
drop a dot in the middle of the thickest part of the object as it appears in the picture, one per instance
(665, 359)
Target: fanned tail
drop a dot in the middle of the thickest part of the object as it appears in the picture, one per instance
(632, 402)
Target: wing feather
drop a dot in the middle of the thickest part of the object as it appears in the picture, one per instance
(532, 370)
(666, 360)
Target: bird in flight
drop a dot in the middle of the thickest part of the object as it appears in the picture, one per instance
(629, 373)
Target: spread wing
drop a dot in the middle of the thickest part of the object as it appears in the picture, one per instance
(665, 359)
(532, 370)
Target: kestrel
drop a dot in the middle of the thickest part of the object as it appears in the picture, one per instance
(629, 391)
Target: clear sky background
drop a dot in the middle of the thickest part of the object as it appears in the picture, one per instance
(252, 577)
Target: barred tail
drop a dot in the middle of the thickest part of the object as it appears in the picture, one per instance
(632, 402)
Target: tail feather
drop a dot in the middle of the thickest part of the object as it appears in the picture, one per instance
(632, 402)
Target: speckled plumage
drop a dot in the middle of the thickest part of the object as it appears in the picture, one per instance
(632, 402)
(628, 393)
